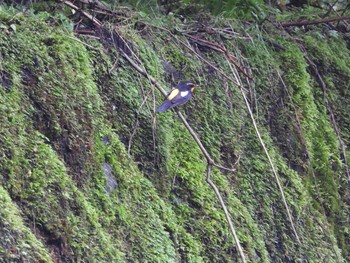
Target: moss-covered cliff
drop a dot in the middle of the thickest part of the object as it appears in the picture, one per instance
(90, 173)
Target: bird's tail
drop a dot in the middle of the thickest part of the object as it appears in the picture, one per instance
(166, 105)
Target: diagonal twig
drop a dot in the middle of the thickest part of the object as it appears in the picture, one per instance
(222, 203)
(86, 14)
(331, 8)
(238, 79)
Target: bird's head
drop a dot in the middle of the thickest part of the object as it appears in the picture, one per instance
(191, 85)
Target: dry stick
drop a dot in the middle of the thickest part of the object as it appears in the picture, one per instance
(210, 161)
(81, 42)
(200, 145)
(313, 22)
(204, 60)
(346, 8)
(132, 136)
(336, 12)
(218, 195)
(331, 6)
(93, 19)
(99, 7)
(95, 4)
(236, 75)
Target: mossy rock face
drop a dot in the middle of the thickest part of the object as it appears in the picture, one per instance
(90, 173)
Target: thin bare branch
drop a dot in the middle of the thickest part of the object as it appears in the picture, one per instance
(82, 42)
(95, 4)
(87, 15)
(237, 77)
(224, 168)
(331, 8)
(134, 130)
(228, 218)
(99, 8)
(199, 143)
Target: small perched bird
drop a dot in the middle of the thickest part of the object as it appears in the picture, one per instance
(178, 96)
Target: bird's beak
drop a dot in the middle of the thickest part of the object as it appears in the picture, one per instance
(194, 86)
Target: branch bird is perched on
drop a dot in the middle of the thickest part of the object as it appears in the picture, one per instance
(177, 96)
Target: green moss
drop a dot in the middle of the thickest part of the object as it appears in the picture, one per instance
(98, 176)
(32, 171)
(316, 123)
(18, 243)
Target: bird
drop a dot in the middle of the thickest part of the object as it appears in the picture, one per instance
(177, 96)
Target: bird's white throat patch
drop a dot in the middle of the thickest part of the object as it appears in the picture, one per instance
(184, 93)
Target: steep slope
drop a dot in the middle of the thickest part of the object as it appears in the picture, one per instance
(89, 172)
